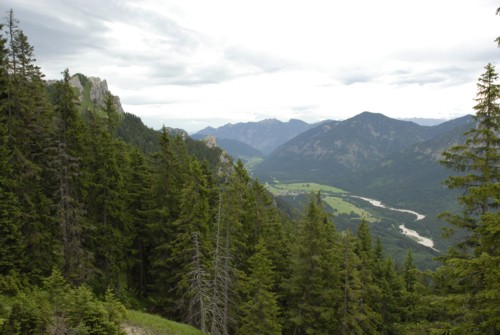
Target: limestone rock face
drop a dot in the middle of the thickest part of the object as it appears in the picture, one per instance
(211, 141)
(98, 90)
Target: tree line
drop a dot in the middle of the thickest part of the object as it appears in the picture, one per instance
(180, 230)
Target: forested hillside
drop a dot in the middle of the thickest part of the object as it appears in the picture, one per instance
(95, 218)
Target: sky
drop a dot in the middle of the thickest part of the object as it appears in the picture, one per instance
(195, 63)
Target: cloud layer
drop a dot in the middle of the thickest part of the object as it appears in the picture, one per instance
(189, 64)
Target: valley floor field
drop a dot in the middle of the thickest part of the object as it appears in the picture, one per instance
(338, 200)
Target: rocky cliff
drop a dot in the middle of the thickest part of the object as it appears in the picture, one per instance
(95, 89)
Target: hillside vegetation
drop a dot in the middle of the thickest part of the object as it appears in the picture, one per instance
(98, 223)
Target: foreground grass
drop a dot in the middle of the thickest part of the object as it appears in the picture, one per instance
(139, 323)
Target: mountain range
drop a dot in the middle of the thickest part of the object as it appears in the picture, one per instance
(334, 151)
(368, 156)
(264, 136)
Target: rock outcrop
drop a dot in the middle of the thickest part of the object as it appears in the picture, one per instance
(98, 90)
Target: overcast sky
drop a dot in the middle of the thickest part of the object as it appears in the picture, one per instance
(194, 63)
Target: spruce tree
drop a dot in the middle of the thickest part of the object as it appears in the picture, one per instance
(67, 169)
(370, 292)
(138, 182)
(107, 198)
(167, 179)
(192, 248)
(350, 312)
(11, 245)
(314, 285)
(471, 268)
(259, 310)
(28, 118)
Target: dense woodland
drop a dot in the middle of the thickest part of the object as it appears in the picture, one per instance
(91, 222)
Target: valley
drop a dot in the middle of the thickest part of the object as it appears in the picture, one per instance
(386, 221)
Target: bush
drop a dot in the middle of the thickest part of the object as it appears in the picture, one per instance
(29, 315)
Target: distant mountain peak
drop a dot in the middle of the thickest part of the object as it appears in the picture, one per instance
(265, 135)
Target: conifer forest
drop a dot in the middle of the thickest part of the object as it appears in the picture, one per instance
(96, 221)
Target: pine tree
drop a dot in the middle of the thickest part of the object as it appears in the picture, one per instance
(191, 249)
(471, 268)
(67, 168)
(230, 250)
(167, 181)
(11, 246)
(106, 198)
(350, 312)
(259, 311)
(138, 182)
(28, 118)
(370, 292)
(314, 281)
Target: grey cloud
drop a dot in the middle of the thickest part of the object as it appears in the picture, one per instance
(261, 61)
(445, 76)
(60, 43)
(350, 76)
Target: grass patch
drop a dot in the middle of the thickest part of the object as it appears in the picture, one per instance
(309, 187)
(345, 207)
(148, 324)
(252, 162)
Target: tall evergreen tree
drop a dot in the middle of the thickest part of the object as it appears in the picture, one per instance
(471, 268)
(167, 181)
(67, 168)
(192, 248)
(11, 246)
(106, 198)
(138, 182)
(260, 313)
(350, 312)
(29, 122)
(314, 280)
(370, 291)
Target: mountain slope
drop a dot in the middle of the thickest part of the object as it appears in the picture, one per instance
(413, 175)
(334, 150)
(264, 135)
(238, 149)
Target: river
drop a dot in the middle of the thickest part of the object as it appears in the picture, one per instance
(425, 241)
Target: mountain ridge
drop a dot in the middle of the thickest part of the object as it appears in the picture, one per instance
(265, 135)
(344, 146)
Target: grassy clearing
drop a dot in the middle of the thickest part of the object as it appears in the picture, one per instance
(345, 207)
(253, 162)
(146, 324)
(329, 196)
(309, 187)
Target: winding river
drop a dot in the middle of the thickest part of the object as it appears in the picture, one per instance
(425, 241)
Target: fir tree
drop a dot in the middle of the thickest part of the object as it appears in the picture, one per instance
(314, 282)
(471, 268)
(11, 246)
(138, 182)
(67, 168)
(191, 249)
(107, 198)
(350, 312)
(28, 119)
(167, 179)
(259, 311)
(370, 292)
